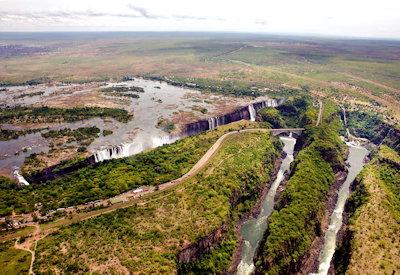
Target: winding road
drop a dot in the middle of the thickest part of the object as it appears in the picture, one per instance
(128, 199)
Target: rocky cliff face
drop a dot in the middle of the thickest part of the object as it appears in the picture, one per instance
(195, 250)
(239, 114)
(57, 171)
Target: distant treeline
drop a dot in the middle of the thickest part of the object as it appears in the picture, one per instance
(227, 88)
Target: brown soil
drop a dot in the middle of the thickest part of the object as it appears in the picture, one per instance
(90, 98)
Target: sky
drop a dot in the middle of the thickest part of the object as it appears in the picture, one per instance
(356, 18)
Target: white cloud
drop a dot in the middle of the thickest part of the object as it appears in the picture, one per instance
(340, 17)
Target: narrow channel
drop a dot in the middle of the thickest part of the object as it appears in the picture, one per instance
(355, 159)
(252, 231)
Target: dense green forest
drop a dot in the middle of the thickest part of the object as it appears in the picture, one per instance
(147, 237)
(78, 134)
(6, 134)
(371, 126)
(299, 211)
(112, 177)
(47, 114)
(294, 112)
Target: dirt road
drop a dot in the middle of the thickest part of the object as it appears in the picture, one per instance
(128, 199)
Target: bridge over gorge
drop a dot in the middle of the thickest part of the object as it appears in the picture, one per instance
(296, 131)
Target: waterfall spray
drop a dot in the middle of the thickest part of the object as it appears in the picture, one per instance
(20, 178)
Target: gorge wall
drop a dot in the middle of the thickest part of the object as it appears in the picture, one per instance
(246, 112)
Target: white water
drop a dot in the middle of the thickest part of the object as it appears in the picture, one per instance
(252, 113)
(253, 230)
(129, 149)
(355, 159)
(20, 178)
(212, 123)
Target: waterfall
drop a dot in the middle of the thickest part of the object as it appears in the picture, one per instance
(119, 151)
(345, 122)
(252, 113)
(160, 141)
(212, 123)
(246, 112)
(344, 117)
(20, 178)
(129, 149)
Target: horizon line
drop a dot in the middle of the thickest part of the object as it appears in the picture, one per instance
(310, 35)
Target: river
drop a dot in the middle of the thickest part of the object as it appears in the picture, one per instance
(355, 160)
(252, 231)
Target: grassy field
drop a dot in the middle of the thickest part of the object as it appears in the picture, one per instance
(364, 69)
(375, 224)
(145, 238)
(13, 261)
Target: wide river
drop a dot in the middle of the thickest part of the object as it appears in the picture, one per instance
(252, 231)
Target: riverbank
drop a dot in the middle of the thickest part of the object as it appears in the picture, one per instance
(251, 231)
(310, 262)
(255, 211)
(369, 241)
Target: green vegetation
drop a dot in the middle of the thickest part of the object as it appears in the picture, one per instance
(231, 64)
(297, 111)
(371, 126)
(200, 109)
(13, 261)
(123, 91)
(79, 134)
(166, 125)
(14, 134)
(300, 209)
(107, 132)
(47, 114)
(32, 164)
(294, 112)
(113, 177)
(215, 86)
(272, 117)
(373, 242)
(146, 238)
(10, 134)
